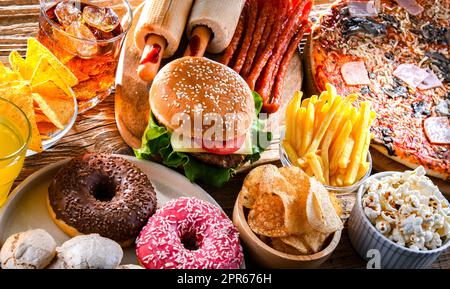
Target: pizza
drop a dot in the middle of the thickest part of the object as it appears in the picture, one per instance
(394, 54)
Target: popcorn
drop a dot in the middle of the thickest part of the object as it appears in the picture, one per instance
(417, 242)
(397, 237)
(435, 242)
(383, 226)
(408, 209)
(389, 216)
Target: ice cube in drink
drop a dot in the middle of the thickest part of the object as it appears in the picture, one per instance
(102, 18)
(67, 13)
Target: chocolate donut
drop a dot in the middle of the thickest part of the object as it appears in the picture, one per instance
(104, 194)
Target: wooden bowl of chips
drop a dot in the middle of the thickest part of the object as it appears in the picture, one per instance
(269, 257)
(258, 229)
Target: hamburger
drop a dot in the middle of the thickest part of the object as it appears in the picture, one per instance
(204, 119)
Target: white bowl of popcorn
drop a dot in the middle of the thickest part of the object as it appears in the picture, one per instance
(400, 220)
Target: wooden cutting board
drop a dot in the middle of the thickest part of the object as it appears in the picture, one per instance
(131, 98)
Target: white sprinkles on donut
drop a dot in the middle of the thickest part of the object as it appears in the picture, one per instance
(217, 241)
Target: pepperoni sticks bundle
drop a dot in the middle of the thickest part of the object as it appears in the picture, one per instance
(268, 34)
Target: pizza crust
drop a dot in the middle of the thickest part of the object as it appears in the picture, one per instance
(381, 149)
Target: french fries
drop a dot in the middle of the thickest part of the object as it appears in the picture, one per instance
(328, 137)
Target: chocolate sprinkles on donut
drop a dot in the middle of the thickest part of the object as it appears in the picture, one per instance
(104, 194)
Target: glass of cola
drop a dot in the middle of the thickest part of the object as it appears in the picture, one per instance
(86, 36)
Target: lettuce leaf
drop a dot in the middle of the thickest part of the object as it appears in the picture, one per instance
(156, 145)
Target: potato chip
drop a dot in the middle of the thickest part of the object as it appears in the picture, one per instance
(295, 176)
(45, 71)
(19, 65)
(314, 240)
(296, 211)
(297, 243)
(279, 245)
(20, 95)
(36, 51)
(58, 110)
(336, 204)
(296, 217)
(267, 216)
(322, 217)
(265, 239)
(250, 189)
(273, 182)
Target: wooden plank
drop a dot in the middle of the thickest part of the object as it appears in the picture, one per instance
(18, 2)
(19, 10)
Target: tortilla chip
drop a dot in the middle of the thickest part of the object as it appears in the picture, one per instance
(13, 83)
(36, 51)
(45, 137)
(267, 216)
(7, 75)
(20, 95)
(57, 101)
(59, 111)
(44, 72)
(19, 65)
(46, 128)
(40, 117)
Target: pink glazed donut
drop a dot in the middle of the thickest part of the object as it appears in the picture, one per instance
(188, 233)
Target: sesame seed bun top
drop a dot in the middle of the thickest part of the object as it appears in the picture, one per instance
(190, 87)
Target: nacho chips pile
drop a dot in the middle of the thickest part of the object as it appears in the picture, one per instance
(290, 211)
(40, 86)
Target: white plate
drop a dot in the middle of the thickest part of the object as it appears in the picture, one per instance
(27, 209)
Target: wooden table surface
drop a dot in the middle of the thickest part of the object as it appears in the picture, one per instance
(96, 130)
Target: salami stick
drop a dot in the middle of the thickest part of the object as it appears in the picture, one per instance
(251, 24)
(279, 82)
(259, 30)
(229, 52)
(268, 28)
(268, 50)
(299, 14)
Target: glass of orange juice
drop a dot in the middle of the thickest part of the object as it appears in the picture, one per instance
(15, 133)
